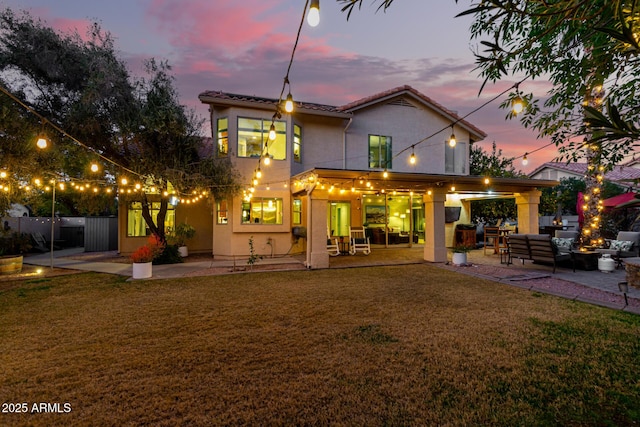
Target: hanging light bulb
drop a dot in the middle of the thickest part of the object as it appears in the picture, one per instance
(258, 173)
(94, 167)
(288, 104)
(42, 143)
(385, 174)
(272, 132)
(267, 159)
(313, 17)
(412, 158)
(452, 139)
(525, 161)
(517, 105)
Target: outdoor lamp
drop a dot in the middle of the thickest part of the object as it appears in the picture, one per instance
(94, 167)
(313, 17)
(41, 143)
(258, 173)
(452, 139)
(624, 288)
(272, 132)
(517, 105)
(412, 159)
(525, 161)
(288, 104)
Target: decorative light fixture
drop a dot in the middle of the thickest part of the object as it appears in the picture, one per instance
(313, 17)
(288, 104)
(94, 167)
(517, 104)
(42, 142)
(452, 138)
(385, 174)
(272, 132)
(412, 158)
(258, 173)
(525, 161)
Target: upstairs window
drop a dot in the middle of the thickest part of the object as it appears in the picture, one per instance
(379, 152)
(222, 137)
(455, 158)
(297, 144)
(254, 133)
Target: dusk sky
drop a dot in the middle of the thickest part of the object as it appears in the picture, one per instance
(244, 47)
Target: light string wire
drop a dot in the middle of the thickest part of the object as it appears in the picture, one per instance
(44, 120)
(460, 119)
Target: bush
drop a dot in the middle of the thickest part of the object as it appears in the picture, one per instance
(169, 255)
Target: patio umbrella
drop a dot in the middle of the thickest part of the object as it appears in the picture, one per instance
(619, 200)
(580, 210)
(631, 203)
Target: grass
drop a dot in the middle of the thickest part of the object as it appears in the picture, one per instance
(409, 345)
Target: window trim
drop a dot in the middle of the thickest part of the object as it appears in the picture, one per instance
(265, 124)
(386, 163)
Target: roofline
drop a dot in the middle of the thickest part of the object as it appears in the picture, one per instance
(406, 89)
(422, 182)
(269, 104)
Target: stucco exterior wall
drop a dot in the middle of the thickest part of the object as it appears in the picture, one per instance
(406, 125)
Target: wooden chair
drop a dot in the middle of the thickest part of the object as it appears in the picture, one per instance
(491, 234)
(358, 241)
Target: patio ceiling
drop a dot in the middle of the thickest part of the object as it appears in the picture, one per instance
(418, 182)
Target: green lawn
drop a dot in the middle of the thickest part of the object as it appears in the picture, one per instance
(406, 345)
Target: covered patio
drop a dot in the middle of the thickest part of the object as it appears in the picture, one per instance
(367, 195)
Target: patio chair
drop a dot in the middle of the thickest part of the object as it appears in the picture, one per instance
(358, 240)
(332, 246)
(625, 245)
(491, 234)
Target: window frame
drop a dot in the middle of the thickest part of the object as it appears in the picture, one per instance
(262, 134)
(297, 143)
(169, 222)
(248, 210)
(380, 163)
(222, 138)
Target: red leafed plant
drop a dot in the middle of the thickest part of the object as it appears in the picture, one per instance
(148, 252)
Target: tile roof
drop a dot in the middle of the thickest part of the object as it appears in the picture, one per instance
(619, 173)
(214, 94)
(347, 108)
(424, 98)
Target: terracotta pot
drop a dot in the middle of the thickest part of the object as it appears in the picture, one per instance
(142, 270)
(10, 264)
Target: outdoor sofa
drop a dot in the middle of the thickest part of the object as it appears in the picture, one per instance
(538, 248)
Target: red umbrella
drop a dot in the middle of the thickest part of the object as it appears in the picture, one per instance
(580, 210)
(615, 201)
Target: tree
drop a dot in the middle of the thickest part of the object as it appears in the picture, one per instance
(135, 128)
(492, 164)
(581, 47)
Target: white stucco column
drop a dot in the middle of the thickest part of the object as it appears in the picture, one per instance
(317, 255)
(527, 204)
(435, 248)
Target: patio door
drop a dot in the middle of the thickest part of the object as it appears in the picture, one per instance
(339, 219)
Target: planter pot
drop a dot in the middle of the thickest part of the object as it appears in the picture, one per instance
(142, 270)
(459, 258)
(11, 264)
(183, 251)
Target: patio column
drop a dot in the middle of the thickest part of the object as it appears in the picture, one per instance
(527, 204)
(317, 255)
(435, 248)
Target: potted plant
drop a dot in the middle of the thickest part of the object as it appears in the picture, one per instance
(12, 246)
(180, 235)
(142, 258)
(460, 254)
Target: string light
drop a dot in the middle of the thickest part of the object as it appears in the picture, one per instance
(412, 158)
(452, 138)
(288, 104)
(525, 161)
(517, 105)
(313, 18)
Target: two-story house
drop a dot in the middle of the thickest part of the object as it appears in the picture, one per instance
(385, 162)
